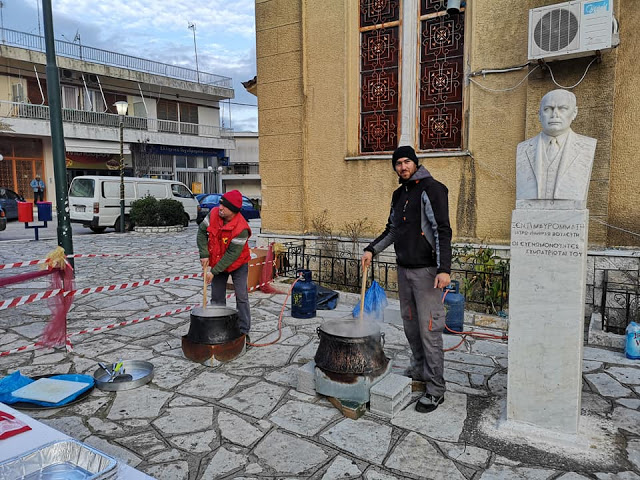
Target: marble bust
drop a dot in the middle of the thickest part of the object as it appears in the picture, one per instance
(556, 163)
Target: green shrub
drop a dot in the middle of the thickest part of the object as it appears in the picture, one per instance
(144, 212)
(170, 212)
(149, 212)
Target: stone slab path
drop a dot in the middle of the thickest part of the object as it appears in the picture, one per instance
(245, 419)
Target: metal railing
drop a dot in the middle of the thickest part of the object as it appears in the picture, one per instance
(620, 300)
(241, 169)
(106, 57)
(41, 112)
(337, 265)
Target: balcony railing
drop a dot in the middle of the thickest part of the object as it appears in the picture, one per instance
(241, 169)
(41, 112)
(105, 57)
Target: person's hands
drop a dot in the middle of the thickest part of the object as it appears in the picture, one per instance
(442, 280)
(366, 259)
(204, 262)
(209, 277)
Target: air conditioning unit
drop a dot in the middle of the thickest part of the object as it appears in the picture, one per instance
(572, 29)
(91, 78)
(67, 74)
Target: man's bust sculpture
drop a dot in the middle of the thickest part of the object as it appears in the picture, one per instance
(556, 163)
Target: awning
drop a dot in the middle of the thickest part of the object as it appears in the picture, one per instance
(94, 146)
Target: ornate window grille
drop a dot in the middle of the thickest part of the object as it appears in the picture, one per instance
(441, 76)
(432, 103)
(379, 72)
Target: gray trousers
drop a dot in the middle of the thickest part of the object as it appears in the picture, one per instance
(219, 294)
(423, 317)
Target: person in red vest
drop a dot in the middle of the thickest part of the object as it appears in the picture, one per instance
(222, 243)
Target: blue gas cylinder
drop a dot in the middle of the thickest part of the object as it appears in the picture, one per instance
(454, 305)
(304, 296)
(632, 345)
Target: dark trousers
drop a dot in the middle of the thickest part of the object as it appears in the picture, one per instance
(219, 294)
(38, 196)
(423, 317)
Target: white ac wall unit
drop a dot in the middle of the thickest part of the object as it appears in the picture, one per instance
(572, 29)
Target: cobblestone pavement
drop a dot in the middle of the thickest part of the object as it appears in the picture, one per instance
(245, 419)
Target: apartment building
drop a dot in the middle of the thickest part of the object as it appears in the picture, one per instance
(171, 129)
(242, 171)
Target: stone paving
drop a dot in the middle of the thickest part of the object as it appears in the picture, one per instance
(245, 419)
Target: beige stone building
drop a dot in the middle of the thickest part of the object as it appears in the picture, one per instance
(340, 86)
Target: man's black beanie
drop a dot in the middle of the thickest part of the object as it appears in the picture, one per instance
(404, 152)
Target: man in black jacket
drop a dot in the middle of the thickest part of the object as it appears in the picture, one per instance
(418, 226)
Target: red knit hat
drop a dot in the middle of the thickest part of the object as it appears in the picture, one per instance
(232, 200)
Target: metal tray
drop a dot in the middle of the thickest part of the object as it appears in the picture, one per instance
(141, 371)
(61, 460)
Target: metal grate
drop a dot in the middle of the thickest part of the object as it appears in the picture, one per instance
(556, 30)
(336, 264)
(620, 300)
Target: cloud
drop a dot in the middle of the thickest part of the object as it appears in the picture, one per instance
(158, 30)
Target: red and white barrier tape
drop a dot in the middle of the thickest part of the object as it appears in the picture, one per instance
(34, 297)
(111, 326)
(6, 266)
(28, 263)
(15, 302)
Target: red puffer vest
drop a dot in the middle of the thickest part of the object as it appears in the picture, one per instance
(220, 236)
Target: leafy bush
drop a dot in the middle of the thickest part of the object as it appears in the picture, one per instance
(149, 212)
(171, 212)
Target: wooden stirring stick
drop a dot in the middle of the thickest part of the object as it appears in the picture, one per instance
(362, 292)
(204, 287)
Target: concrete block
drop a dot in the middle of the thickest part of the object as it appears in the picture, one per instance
(390, 395)
(392, 315)
(597, 336)
(357, 391)
(307, 378)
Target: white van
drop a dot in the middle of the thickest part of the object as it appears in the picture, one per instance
(94, 201)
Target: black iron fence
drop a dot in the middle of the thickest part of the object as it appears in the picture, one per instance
(620, 300)
(483, 277)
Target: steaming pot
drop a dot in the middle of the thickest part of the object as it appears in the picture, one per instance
(351, 347)
(213, 325)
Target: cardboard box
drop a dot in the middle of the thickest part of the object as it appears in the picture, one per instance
(256, 264)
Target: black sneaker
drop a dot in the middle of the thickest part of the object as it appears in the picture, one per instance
(428, 403)
(247, 340)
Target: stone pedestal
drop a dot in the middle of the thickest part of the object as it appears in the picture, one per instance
(546, 313)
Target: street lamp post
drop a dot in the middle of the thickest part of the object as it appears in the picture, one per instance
(220, 179)
(122, 107)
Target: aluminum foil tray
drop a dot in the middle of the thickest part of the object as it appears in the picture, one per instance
(61, 460)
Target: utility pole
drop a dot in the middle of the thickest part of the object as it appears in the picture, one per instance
(57, 134)
(192, 26)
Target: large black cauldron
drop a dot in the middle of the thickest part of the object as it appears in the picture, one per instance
(351, 347)
(213, 325)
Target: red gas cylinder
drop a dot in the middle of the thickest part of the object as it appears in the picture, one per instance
(25, 211)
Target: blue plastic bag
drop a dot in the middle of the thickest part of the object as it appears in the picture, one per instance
(375, 301)
(632, 345)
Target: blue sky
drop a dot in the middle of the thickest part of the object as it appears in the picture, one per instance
(158, 30)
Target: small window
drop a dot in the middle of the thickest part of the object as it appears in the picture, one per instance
(82, 187)
(181, 161)
(180, 191)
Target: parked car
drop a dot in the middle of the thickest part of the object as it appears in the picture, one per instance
(9, 202)
(212, 200)
(3, 219)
